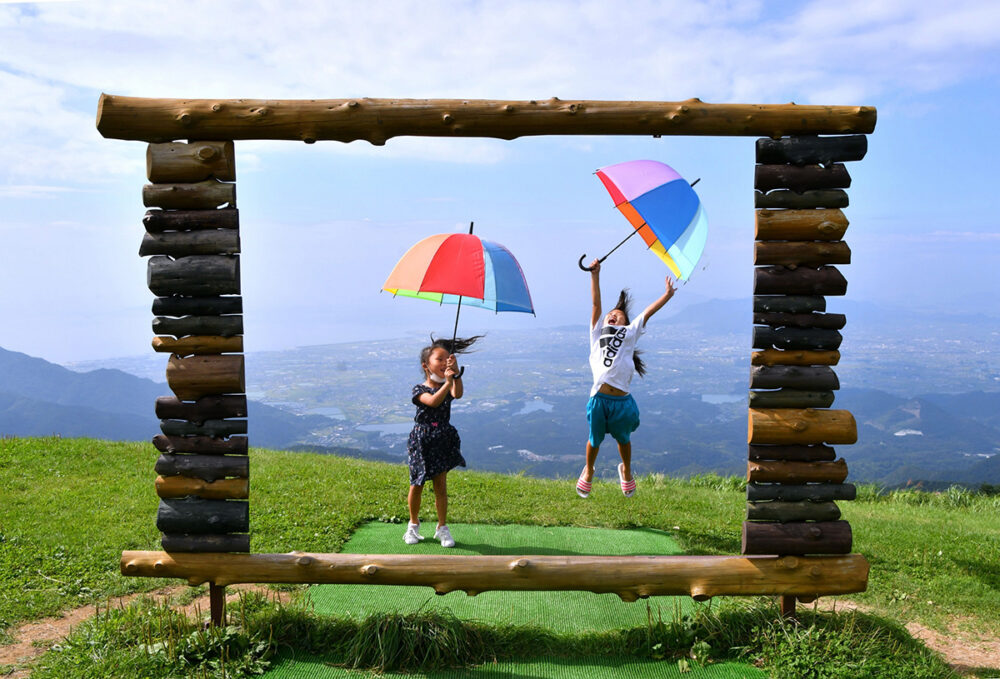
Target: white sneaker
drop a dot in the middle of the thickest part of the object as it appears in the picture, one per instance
(412, 535)
(444, 535)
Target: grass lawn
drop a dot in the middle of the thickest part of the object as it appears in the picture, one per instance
(68, 507)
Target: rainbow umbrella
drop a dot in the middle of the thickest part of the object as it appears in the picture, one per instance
(460, 268)
(662, 208)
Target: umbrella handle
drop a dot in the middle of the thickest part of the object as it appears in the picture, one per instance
(580, 263)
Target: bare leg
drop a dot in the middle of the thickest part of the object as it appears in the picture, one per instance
(588, 470)
(441, 497)
(413, 502)
(625, 450)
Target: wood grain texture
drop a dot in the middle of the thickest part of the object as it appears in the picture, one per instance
(194, 162)
(798, 253)
(199, 345)
(792, 472)
(170, 487)
(800, 225)
(804, 426)
(811, 150)
(232, 542)
(820, 537)
(206, 195)
(376, 120)
(794, 357)
(630, 577)
(777, 280)
(196, 376)
(805, 178)
(159, 221)
(793, 200)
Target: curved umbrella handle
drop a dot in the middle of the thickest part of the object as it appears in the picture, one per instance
(461, 371)
(580, 263)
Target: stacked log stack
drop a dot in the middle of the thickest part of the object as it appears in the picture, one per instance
(193, 244)
(794, 476)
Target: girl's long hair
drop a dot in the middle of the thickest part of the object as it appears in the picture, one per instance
(460, 345)
(624, 305)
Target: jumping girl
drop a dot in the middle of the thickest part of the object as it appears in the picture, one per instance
(434, 447)
(613, 361)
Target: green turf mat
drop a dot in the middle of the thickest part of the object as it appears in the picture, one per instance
(557, 611)
(591, 668)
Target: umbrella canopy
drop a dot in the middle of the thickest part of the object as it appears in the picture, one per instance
(663, 208)
(455, 268)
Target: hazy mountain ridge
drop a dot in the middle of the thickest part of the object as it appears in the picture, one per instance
(527, 390)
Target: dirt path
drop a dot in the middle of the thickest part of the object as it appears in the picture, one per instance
(32, 639)
(963, 652)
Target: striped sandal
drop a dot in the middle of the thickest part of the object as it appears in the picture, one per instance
(582, 487)
(628, 487)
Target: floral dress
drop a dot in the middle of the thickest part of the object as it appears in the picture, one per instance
(434, 446)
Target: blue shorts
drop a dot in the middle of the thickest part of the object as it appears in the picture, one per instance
(615, 415)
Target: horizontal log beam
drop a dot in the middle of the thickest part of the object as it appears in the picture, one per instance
(205, 408)
(781, 320)
(203, 517)
(811, 150)
(199, 306)
(199, 345)
(179, 162)
(796, 473)
(795, 253)
(185, 243)
(826, 537)
(200, 445)
(793, 200)
(196, 376)
(376, 120)
(815, 453)
(803, 426)
(158, 221)
(214, 428)
(223, 326)
(814, 339)
(206, 467)
(169, 487)
(206, 195)
(198, 275)
(791, 398)
(816, 492)
(810, 378)
(783, 512)
(789, 304)
(807, 178)
(777, 280)
(630, 577)
(233, 542)
(794, 357)
(800, 225)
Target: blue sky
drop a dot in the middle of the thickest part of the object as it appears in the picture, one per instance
(322, 225)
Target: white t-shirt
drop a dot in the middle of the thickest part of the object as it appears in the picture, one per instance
(611, 349)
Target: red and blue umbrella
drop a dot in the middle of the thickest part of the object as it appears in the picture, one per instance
(662, 208)
(460, 268)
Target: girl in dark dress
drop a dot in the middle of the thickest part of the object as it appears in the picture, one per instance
(434, 447)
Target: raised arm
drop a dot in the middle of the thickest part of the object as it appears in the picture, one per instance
(660, 301)
(595, 292)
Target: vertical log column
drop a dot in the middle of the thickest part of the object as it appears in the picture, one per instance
(192, 240)
(793, 473)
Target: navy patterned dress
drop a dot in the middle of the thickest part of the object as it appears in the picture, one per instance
(434, 446)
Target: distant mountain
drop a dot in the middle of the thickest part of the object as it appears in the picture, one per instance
(38, 398)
